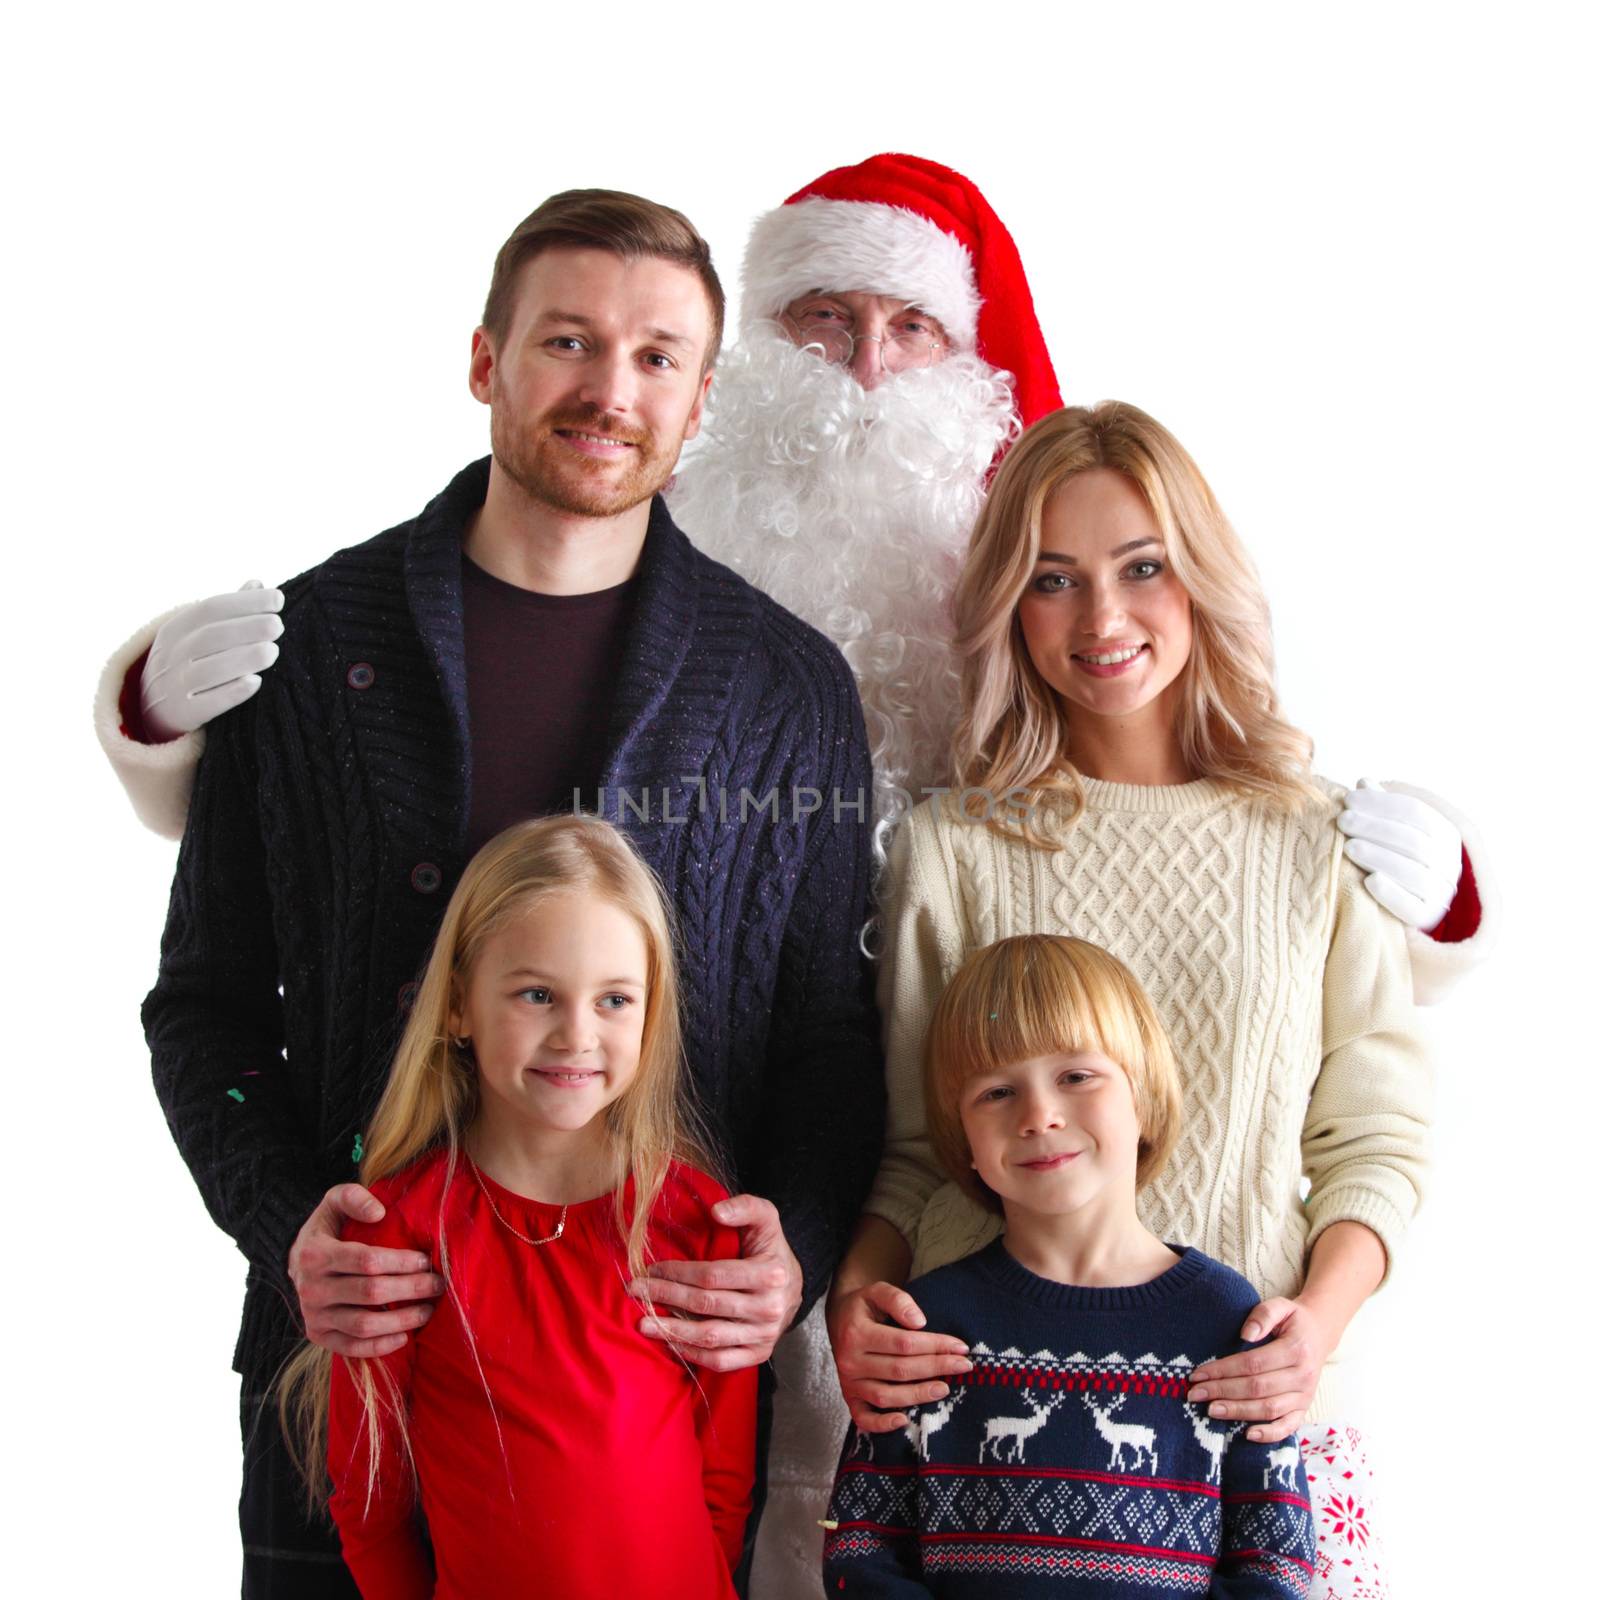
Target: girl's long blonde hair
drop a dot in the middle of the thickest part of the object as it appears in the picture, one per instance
(431, 1097)
(1012, 736)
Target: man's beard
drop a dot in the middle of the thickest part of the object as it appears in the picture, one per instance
(547, 471)
(853, 509)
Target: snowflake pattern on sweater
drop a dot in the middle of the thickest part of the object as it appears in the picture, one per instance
(1080, 1473)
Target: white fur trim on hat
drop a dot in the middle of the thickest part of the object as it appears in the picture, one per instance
(862, 246)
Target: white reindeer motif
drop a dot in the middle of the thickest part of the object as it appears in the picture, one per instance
(1213, 1443)
(1281, 1464)
(925, 1421)
(1120, 1435)
(930, 1419)
(1014, 1430)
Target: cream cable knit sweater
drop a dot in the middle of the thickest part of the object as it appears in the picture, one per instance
(1284, 985)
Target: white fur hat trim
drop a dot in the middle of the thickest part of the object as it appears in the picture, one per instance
(862, 246)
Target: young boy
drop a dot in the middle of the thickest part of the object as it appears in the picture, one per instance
(1068, 1461)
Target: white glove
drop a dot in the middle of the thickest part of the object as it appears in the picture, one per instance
(1410, 853)
(206, 659)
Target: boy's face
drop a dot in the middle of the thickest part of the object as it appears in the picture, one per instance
(1056, 1134)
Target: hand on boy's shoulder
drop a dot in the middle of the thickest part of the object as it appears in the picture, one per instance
(1224, 1297)
(956, 1300)
(946, 1298)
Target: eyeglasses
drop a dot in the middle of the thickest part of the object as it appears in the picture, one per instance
(900, 351)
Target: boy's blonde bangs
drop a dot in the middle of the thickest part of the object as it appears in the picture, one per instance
(1038, 995)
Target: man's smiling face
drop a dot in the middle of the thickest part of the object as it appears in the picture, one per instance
(599, 380)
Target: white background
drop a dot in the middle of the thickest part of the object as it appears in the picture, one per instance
(1344, 253)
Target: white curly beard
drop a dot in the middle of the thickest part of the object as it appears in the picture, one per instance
(853, 508)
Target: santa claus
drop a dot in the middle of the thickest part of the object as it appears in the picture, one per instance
(888, 354)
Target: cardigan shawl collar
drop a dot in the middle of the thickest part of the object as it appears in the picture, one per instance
(658, 639)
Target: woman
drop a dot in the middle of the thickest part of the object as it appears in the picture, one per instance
(1126, 776)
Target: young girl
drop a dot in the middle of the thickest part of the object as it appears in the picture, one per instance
(1052, 1097)
(530, 1141)
(1132, 780)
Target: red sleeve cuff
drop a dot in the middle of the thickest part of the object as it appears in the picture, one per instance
(1465, 915)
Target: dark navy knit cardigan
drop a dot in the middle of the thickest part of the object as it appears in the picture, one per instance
(327, 831)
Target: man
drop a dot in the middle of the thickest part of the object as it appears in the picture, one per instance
(333, 811)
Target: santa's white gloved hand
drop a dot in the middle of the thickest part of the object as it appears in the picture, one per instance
(1410, 853)
(207, 658)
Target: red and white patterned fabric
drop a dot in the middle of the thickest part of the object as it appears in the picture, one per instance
(1350, 1563)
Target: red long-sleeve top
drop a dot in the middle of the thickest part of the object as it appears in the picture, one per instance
(557, 1450)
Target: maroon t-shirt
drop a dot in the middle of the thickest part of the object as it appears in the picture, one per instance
(540, 672)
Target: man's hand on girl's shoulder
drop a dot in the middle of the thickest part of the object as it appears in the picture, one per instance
(736, 1309)
(358, 1299)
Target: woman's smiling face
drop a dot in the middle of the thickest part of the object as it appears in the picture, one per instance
(1107, 624)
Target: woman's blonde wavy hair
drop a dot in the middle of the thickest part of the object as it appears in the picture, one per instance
(1012, 739)
(431, 1097)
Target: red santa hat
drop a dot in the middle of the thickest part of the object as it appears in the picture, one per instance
(898, 225)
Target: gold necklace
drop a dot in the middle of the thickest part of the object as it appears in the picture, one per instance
(549, 1238)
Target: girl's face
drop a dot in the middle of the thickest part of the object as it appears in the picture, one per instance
(555, 1009)
(1056, 1134)
(1106, 624)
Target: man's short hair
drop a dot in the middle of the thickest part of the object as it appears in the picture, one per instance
(627, 225)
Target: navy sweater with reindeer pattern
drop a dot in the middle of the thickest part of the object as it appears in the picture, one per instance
(1069, 1461)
